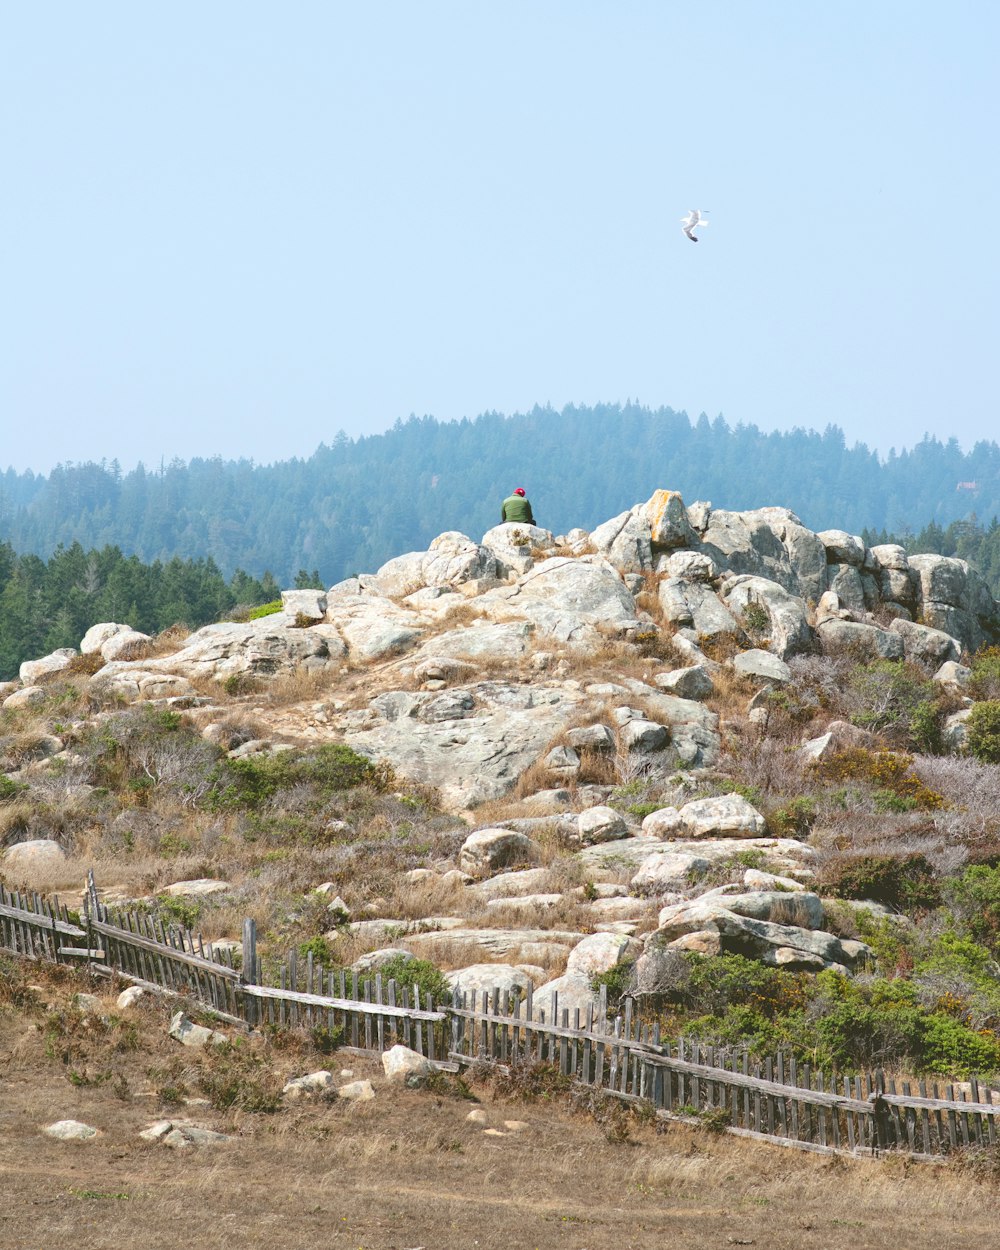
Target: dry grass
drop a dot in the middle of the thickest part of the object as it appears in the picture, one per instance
(409, 1169)
(168, 641)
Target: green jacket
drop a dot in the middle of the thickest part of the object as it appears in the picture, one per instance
(516, 508)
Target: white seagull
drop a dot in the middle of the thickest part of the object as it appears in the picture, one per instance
(694, 219)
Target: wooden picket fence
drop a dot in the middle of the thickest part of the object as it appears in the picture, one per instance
(778, 1100)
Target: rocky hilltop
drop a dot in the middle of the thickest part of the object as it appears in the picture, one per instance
(598, 717)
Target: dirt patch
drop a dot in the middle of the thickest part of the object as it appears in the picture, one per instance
(409, 1169)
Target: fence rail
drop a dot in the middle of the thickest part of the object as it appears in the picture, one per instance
(778, 1100)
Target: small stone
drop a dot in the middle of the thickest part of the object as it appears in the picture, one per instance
(188, 1034)
(494, 1132)
(477, 1116)
(199, 888)
(313, 1083)
(515, 1126)
(600, 824)
(70, 1130)
(357, 1091)
(401, 1064)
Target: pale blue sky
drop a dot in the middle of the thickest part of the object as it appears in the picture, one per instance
(237, 227)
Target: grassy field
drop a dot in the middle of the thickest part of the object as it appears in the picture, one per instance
(408, 1169)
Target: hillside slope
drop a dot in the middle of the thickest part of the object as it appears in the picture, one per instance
(722, 762)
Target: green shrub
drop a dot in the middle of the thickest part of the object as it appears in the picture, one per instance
(249, 783)
(886, 695)
(985, 681)
(10, 789)
(880, 1024)
(983, 730)
(618, 980)
(265, 609)
(975, 899)
(756, 621)
(241, 683)
(427, 977)
(952, 1048)
(925, 728)
(319, 948)
(234, 1076)
(887, 772)
(180, 911)
(904, 882)
(714, 983)
(794, 819)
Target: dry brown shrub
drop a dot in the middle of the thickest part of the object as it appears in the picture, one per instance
(85, 665)
(767, 764)
(597, 768)
(168, 641)
(534, 778)
(15, 818)
(297, 686)
(721, 647)
(732, 691)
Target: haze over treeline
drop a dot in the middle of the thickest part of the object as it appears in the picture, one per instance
(356, 503)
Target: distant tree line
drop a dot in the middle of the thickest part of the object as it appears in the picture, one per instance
(357, 502)
(173, 546)
(49, 604)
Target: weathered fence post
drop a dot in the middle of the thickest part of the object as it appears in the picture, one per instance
(249, 976)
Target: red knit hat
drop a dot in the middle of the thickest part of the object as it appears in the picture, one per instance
(519, 490)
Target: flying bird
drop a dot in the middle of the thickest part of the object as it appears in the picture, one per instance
(689, 223)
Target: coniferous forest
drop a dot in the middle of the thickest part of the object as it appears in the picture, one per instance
(188, 541)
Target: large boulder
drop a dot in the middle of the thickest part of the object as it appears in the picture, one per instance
(669, 872)
(95, 637)
(726, 816)
(488, 977)
(512, 545)
(667, 519)
(690, 603)
(788, 626)
(609, 861)
(571, 992)
(941, 579)
(451, 560)
(24, 859)
(125, 644)
(264, 648)
(796, 907)
(770, 543)
(600, 953)
(694, 682)
(782, 945)
(570, 601)
(866, 640)
(624, 540)
(600, 824)
(762, 666)
(847, 583)
(56, 662)
(402, 1065)
(133, 680)
(842, 548)
(924, 645)
(470, 752)
(487, 850)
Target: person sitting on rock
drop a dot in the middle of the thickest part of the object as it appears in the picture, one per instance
(517, 508)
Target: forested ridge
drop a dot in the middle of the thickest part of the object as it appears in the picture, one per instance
(356, 503)
(189, 542)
